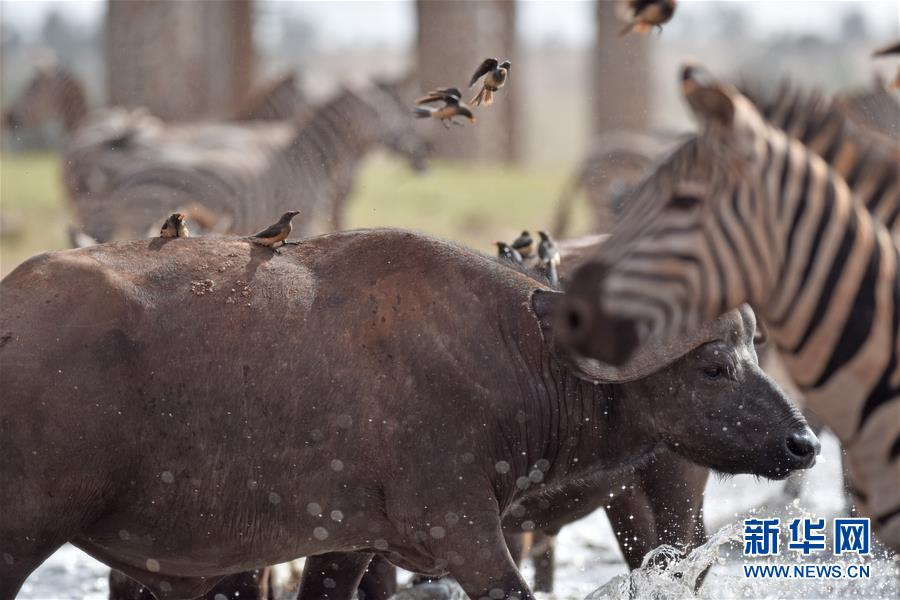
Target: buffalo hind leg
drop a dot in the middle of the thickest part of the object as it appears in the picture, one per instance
(333, 576)
(543, 557)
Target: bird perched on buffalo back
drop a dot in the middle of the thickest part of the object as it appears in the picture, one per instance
(277, 233)
(453, 106)
(495, 74)
(525, 244)
(507, 252)
(887, 51)
(643, 15)
(548, 253)
(175, 227)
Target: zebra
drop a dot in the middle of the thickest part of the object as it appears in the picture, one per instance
(104, 145)
(312, 171)
(745, 213)
(867, 161)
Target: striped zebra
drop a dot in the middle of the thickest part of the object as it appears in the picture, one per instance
(313, 171)
(841, 130)
(105, 145)
(746, 213)
(867, 161)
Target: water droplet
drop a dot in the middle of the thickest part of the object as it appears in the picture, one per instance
(168, 477)
(502, 467)
(314, 508)
(320, 533)
(152, 565)
(337, 465)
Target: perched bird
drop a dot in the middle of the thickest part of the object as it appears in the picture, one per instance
(507, 252)
(525, 244)
(887, 51)
(495, 74)
(277, 233)
(643, 15)
(453, 106)
(175, 227)
(548, 253)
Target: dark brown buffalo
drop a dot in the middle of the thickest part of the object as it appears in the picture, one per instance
(190, 408)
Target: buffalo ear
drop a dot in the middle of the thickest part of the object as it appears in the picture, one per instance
(545, 304)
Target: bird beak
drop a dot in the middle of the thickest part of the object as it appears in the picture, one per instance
(471, 119)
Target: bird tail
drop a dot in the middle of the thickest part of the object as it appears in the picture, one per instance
(484, 98)
(421, 112)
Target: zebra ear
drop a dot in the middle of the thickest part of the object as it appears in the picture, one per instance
(711, 105)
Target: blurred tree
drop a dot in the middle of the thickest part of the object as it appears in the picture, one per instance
(621, 75)
(453, 39)
(182, 60)
(853, 25)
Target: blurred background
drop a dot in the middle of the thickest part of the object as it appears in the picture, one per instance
(571, 80)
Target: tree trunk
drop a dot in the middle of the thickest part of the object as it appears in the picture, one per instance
(453, 38)
(621, 75)
(182, 60)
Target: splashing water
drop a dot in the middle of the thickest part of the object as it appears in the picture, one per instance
(666, 573)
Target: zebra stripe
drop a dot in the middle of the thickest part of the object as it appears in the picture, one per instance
(783, 232)
(312, 171)
(869, 162)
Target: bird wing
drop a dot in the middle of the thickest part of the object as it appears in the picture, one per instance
(448, 95)
(270, 231)
(890, 49)
(488, 65)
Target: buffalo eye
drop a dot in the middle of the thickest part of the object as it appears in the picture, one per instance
(713, 372)
(684, 201)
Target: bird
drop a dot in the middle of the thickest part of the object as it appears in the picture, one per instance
(495, 74)
(525, 244)
(277, 233)
(453, 106)
(548, 253)
(887, 51)
(643, 15)
(175, 227)
(507, 252)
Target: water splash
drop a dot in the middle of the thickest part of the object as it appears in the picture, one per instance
(667, 573)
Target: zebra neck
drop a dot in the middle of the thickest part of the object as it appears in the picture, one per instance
(837, 281)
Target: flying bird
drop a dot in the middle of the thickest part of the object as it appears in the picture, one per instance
(453, 106)
(887, 51)
(495, 75)
(175, 227)
(548, 253)
(507, 252)
(525, 244)
(277, 233)
(643, 15)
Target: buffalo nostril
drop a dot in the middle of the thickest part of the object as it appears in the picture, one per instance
(803, 446)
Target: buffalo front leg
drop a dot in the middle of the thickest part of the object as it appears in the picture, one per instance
(663, 506)
(542, 554)
(484, 568)
(379, 581)
(333, 576)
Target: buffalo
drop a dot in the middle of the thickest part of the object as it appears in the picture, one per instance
(184, 409)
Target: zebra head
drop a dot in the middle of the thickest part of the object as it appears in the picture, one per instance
(696, 237)
(52, 92)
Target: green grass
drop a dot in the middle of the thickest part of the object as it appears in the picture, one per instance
(33, 208)
(471, 204)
